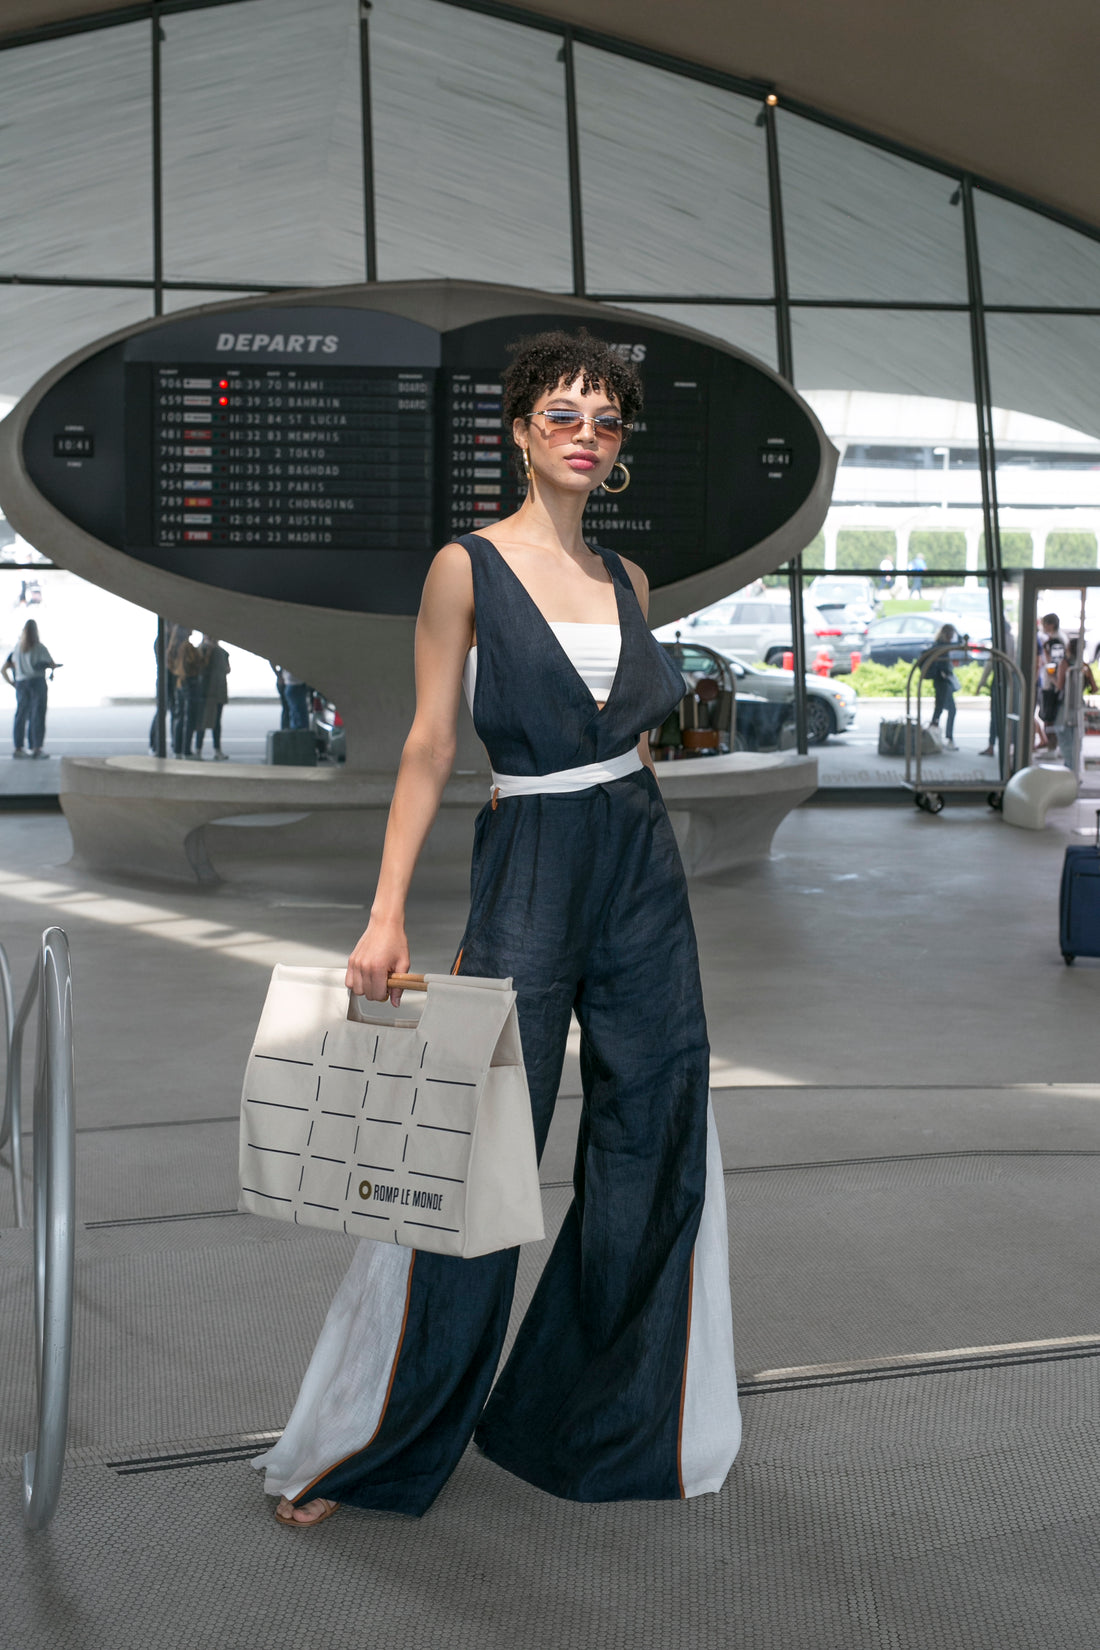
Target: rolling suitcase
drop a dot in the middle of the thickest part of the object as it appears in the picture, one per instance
(1080, 909)
(292, 748)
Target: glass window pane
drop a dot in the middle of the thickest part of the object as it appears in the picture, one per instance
(900, 352)
(470, 151)
(1029, 259)
(194, 299)
(893, 391)
(40, 326)
(860, 223)
(263, 174)
(76, 164)
(1043, 371)
(747, 327)
(674, 183)
(1048, 366)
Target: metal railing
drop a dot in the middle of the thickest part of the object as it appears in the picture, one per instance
(53, 1202)
(12, 1085)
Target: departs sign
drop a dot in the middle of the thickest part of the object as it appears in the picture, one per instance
(317, 450)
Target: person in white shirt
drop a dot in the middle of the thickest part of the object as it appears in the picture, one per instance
(25, 669)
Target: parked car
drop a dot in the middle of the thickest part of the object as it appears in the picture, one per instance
(908, 635)
(969, 612)
(849, 602)
(327, 727)
(831, 706)
(759, 627)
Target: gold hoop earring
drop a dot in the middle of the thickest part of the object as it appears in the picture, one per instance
(618, 465)
(526, 463)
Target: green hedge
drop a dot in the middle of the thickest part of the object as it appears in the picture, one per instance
(864, 547)
(873, 681)
(1070, 550)
(943, 551)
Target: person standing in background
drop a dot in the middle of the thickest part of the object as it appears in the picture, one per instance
(940, 671)
(25, 668)
(1051, 646)
(295, 698)
(918, 567)
(1072, 681)
(187, 663)
(215, 696)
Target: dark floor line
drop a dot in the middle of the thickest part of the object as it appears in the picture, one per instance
(814, 1383)
(179, 1466)
(159, 1220)
(181, 1460)
(900, 1157)
(917, 1157)
(195, 1454)
(889, 1088)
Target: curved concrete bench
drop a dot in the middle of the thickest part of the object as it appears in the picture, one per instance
(726, 809)
(1031, 793)
(141, 816)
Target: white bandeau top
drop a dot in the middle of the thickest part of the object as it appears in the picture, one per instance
(593, 651)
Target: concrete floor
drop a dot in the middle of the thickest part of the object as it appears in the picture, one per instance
(908, 1095)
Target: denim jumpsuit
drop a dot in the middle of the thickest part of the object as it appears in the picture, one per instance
(581, 898)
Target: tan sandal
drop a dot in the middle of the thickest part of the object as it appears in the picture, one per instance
(306, 1523)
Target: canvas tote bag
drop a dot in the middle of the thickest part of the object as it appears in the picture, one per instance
(410, 1125)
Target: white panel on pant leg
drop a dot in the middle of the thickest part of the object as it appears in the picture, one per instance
(341, 1399)
(711, 1434)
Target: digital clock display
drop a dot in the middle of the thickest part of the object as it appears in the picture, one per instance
(73, 444)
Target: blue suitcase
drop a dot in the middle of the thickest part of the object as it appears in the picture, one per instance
(1080, 910)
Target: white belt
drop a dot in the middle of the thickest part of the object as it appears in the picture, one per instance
(567, 779)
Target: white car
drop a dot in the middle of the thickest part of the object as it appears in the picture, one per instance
(759, 627)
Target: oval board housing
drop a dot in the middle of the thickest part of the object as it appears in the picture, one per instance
(316, 449)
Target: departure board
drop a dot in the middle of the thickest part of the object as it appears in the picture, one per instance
(665, 454)
(481, 482)
(339, 457)
(320, 449)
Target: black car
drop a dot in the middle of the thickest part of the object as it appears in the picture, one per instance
(902, 636)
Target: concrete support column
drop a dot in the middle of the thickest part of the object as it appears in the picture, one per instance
(830, 532)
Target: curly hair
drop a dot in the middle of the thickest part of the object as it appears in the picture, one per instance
(541, 363)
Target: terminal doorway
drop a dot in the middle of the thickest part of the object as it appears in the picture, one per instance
(1061, 664)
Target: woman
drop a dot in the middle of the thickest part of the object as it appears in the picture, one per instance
(621, 1383)
(215, 695)
(941, 673)
(25, 669)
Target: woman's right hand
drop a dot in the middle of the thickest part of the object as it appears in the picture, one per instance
(382, 950)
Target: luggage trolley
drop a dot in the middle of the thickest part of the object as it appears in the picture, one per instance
(1008, 699)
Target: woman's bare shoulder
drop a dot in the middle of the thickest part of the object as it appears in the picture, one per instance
(450, 580)
(638, 579)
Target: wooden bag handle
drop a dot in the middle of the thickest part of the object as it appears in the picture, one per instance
(406, 982)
